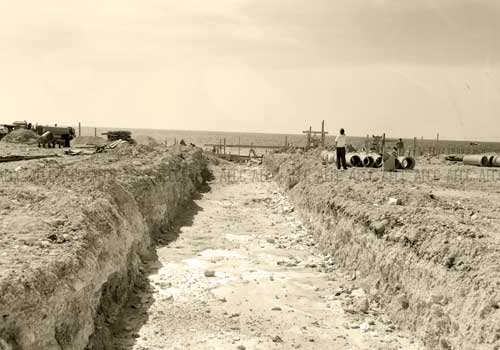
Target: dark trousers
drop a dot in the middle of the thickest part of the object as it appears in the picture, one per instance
(341, 162)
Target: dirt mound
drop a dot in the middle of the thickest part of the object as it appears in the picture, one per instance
(21, 136)
(145, 140)
(89, 140)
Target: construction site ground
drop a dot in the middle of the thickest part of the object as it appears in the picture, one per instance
(242, 268)
(240, 271)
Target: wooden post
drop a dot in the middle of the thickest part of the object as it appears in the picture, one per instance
(239, 145)
(437, 143)
(79, 129)
(323, 133)
(220, 145)
(309, 138)
(95, 131)
(383, 144)
(414, 146)
(224, 145)
(286, 141)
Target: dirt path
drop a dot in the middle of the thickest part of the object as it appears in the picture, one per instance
(240, 272)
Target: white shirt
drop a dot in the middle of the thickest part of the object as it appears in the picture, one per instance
(341, 141)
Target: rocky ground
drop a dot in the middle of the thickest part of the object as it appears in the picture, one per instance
(424, 243)
(319, 259)
(240, 271)
(73, 233)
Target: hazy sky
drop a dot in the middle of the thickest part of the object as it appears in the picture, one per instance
(406, 67)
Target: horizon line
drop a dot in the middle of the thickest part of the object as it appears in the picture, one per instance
(287, 134)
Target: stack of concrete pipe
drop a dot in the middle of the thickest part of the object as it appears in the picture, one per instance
(328, 157)
(484, 160)
(368, 160)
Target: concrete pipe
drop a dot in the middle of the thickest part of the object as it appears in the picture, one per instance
(331, 157)
(324, 155)
(397, 163)
(354, 160)
(367, 160)
(406, 163)
(378, 161)
(476, 159)
(491, 159)
(496, 161)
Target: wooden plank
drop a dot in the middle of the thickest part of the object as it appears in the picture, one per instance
(314, 132)
(6, 159)
(243, 146)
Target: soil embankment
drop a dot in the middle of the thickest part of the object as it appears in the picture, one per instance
(73, 234)
(239, 271)
(425, 247)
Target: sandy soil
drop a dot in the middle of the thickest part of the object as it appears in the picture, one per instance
(424, 242)
(240, 271)
(73, 231)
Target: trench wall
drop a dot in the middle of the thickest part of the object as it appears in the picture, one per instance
(67, 298)
(433, 270)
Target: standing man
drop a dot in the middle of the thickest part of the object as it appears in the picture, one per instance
(340, 143)
(401, 147)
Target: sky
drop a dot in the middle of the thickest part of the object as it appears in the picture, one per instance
(403, 67)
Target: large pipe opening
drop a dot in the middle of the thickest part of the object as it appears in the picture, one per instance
(405, 163)
(367, 160)
(378, 160)
(354, 160)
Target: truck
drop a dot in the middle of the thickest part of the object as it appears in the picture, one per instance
(61, 136)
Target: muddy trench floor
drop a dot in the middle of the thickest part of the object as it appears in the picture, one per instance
(239, 271)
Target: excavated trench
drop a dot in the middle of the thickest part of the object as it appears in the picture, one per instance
(70, 300)
(430, 260)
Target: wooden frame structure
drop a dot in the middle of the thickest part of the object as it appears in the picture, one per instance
(310, 135)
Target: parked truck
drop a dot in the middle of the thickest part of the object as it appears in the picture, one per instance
(61, 136)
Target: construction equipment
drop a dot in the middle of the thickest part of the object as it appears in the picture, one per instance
(61, 136)
(119, 135)
(17, 125)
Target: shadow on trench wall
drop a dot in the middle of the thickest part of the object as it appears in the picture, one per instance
(134, 315)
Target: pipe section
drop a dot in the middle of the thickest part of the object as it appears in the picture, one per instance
(406, 163)
(354, 160)
(367, 160)
(476, 159)
(378, 160)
